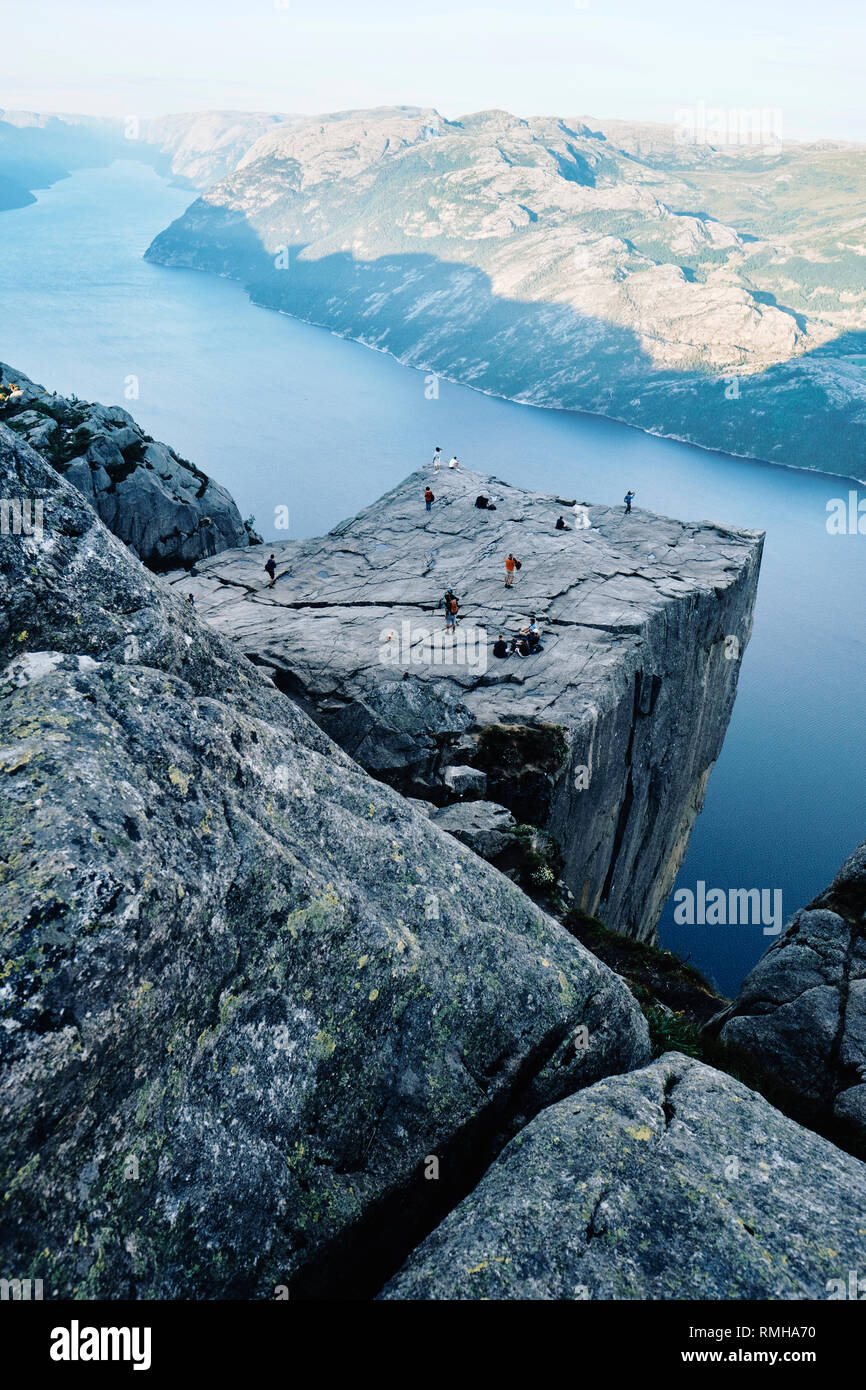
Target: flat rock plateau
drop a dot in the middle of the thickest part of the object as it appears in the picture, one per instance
(603, 740)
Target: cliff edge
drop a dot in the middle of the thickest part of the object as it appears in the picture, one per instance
(604, 739)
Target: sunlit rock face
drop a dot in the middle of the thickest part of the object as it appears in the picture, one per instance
(695, 288)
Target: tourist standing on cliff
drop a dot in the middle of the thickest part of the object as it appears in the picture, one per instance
(271, 567)
(628, 501)
(452, 604)
(437, 458)
(510, 566)
(429, 498)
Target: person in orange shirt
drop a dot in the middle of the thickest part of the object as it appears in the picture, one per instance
(510, 566)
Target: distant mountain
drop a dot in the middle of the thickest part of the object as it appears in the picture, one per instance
(201, 147)
(194, 149)
(37, 150)
(713, 293)
(12, 195)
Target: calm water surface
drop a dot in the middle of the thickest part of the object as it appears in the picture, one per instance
(287, 415)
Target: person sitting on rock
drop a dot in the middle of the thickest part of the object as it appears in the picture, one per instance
(533, 634)
(453, 462)
(500, 647)
(482, 501)
(561, 525)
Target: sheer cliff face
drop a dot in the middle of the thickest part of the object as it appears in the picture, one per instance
(605, 739)
(248, 992)
(619, 272)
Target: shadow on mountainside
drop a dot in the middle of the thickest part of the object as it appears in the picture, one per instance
(443, 317)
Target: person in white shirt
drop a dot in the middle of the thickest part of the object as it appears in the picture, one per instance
(437, 459)
(454, 462)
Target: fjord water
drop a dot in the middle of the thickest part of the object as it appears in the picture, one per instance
(285, 414)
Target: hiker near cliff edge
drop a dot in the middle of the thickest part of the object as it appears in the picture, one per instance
(271, 567)
(628, 501)
(510, 566)
(454, 461)
(437, 458)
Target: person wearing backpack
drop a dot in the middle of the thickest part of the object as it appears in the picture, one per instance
(452, 606)
(510, 566)
(429, 498)
(271, 567)
(446, 600)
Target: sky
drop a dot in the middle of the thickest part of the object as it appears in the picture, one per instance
(800, 60)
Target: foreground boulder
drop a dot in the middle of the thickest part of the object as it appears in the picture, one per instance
(604, 740)
(165, 509)
(801, 1014)
(251, 998)
(675, 1182)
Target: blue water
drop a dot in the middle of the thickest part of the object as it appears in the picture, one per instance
(286, 415)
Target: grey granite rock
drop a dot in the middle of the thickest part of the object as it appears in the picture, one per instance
(165, 509)
(482, 825)
(675, 1182)
(465, 781)
(801, 1013)
(605, 739)
(248, 990)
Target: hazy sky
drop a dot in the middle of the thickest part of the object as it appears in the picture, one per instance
(565, 57)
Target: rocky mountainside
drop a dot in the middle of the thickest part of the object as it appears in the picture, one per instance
(165, 509)
(249, 993)
(195, 148)
(714, 294)
(37, 150)
(801, 1013)
(198, 148)
(267, 1028)
(604, 740)
(673, 1182)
